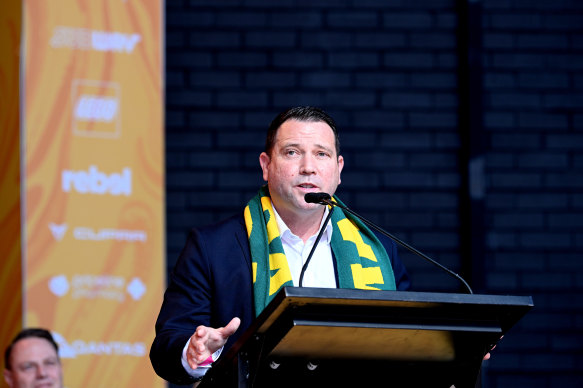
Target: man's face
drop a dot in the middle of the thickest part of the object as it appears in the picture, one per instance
(303, 160)
(34, 364)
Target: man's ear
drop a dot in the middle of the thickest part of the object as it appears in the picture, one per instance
(8, 377)
(340, 167)
(264, 160)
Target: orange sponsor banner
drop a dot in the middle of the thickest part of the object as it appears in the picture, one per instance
(93, 184)
(10, 252)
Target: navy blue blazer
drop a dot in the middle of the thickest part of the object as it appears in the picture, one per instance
(211, 284)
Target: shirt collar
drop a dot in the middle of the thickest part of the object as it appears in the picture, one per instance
(286, 233)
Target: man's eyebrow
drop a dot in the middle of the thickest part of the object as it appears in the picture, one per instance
(317, 145)
(285, 145)
(324, 147)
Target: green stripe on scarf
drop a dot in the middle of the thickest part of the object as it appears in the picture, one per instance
(362, 261)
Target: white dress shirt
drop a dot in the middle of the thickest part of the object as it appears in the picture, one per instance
(320, 270)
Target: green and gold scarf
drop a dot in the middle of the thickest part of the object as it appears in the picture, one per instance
(362, 261)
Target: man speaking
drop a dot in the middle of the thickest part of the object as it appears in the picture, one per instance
(227, 273)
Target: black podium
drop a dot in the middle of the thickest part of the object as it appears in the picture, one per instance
(319, 337)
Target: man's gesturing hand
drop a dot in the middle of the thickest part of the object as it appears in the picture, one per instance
(207, 340)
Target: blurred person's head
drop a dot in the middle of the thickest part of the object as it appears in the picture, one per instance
(32, 360)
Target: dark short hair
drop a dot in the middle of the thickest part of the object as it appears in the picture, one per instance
(33, 332)
(300, 113)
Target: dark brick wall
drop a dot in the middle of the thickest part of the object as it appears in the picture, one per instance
(387, 70)
(533, 99)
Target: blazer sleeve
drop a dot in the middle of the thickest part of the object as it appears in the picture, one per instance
(186, 305)
(210, 284)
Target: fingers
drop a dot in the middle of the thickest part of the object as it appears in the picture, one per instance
(195, 358)
(231, 327)
(199, 340)
(201, 332)
(206, 340)
(191, 358)
(198, 351)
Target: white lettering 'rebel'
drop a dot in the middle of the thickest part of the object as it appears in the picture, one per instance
(97, 182)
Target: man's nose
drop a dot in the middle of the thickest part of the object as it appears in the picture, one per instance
(307, 165)
(41, 371)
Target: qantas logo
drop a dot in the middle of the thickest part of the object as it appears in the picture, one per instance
(80, 347)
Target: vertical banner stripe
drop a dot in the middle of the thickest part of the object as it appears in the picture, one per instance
(94, 184)
(10, 243)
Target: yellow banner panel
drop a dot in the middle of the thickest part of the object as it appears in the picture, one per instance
(94, 184)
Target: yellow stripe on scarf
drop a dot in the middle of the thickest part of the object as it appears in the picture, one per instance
(350, 233)
(249, 224)
(248, 221)
(277, 261)
(272, 229)
(365, 276)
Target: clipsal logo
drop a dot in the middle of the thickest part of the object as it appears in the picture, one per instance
(81, 347)
(83, 233)
(97, 182)
(84, 39)
(58, 231)
(108, 287)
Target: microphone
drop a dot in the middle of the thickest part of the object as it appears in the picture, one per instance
(325, 199)
(315, 198)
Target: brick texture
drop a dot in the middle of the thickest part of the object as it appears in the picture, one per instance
(531, 100)
(387, 71)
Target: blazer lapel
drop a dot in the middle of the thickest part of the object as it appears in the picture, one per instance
(241, 235)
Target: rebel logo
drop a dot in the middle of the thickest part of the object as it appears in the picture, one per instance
(94, 181)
